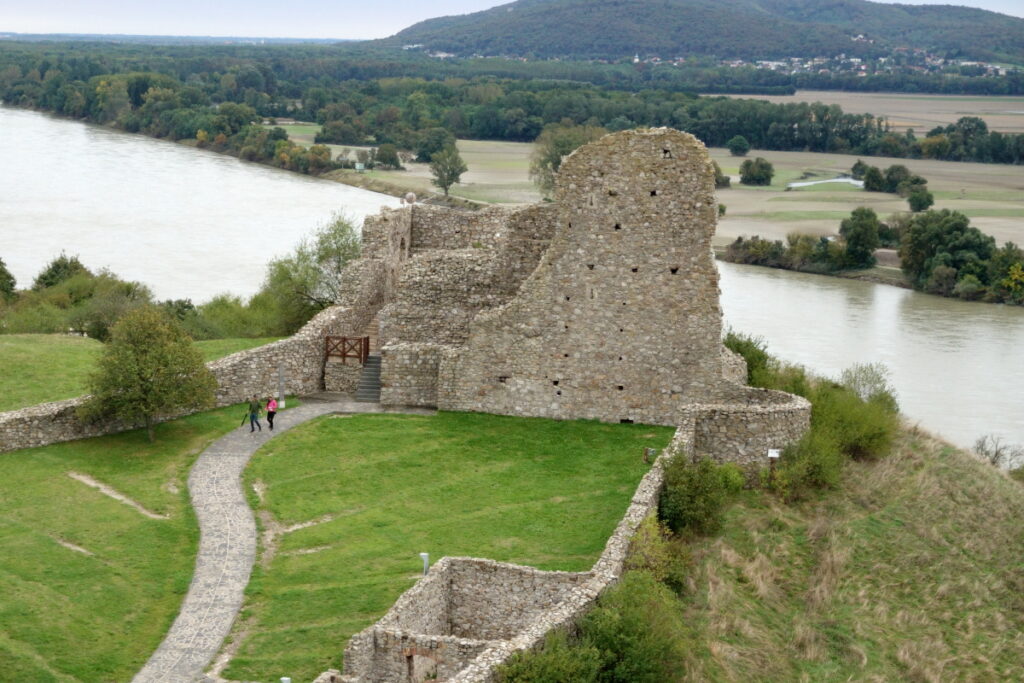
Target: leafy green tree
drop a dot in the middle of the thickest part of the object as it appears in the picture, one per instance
(895, 175)
(447, 167)
(556, 142)
(738, 146)
(387, 156)
(860, 231)
(7, 282)
(944, 238)
(150, 369)
(756, 172)
(858, 170)
(722, 181)
(874, 181)
(309, 279)
(920, 200)
(431, 141)
(58, 270)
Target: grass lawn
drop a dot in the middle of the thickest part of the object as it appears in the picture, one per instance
(379, 489)
(29, 362)
(96, 613)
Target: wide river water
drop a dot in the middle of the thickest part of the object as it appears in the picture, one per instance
(191, 223)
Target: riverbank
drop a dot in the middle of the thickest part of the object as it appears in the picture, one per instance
(881, 274)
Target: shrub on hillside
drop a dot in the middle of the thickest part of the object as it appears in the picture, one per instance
(753, 350)
(58, 270)
(861, 429)
(634, 634)
(560, 660)
(637, 629)
(870, 381)
(814, 462)
(654, 550)
(694, 495)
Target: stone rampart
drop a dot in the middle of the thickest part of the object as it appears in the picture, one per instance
(238, 376)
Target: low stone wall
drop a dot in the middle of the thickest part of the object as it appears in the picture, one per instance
(497, 608)
(409, 374)
(342, 377)
(743, 431)
(238, 376)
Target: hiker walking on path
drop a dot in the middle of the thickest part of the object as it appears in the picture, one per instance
(254, 414)
(271, 411)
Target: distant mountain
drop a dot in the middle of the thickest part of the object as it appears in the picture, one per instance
(747, 29)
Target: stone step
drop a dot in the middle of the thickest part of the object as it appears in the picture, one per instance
(368, 390)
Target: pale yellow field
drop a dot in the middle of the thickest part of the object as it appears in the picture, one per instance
(992, 195)
(920, 112)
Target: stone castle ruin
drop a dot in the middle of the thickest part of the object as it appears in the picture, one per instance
(603, 304)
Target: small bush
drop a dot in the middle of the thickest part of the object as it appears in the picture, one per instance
(694, 495)
(860, 429)
(870, 381)
(637, 629)
(813, 462)
(558, 661)
(633, 635)
(753, 350)
(653, 550)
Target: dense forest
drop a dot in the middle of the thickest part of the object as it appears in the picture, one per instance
(748, 29)
(218, 96)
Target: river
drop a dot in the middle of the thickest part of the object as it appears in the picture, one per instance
(958, 367)
(191, 223)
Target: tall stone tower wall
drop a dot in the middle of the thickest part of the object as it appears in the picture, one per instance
(620, 321)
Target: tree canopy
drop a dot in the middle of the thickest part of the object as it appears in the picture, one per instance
(150, 369)
(447, 168)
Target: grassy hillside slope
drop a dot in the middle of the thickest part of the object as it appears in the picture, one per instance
(912, 570)
(89, 585)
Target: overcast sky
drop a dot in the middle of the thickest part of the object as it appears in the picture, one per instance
(268, 18)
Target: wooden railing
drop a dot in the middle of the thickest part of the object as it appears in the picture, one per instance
(347, 347)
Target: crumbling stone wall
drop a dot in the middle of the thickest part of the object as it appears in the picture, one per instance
(238, 376)
(446, 283)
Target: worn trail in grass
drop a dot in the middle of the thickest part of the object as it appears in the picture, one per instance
(386, 487)
(90, 584)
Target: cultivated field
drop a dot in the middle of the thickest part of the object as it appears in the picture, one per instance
(920, 112)
(992, 195)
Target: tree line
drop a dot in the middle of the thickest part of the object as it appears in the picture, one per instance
(218, 98)
(940, 253)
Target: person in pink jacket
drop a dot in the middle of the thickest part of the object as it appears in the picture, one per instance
(271, 411)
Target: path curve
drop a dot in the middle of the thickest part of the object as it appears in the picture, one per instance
(227, 545)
